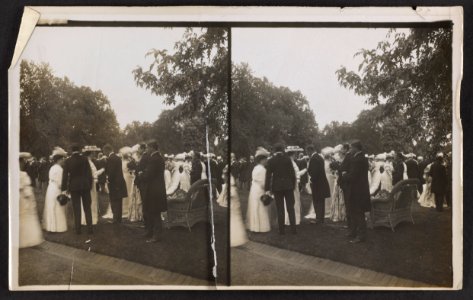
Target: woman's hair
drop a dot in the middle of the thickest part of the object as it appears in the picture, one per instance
(259, 158)
(57, 157)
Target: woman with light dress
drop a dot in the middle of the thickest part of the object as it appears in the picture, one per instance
(128, 176)
(136, 205)
(90, 152)
(238, 234)
(292, 152)
(30, 229)
(427, 198)
(337, 209)
(257, 214)
(380, 179)
(179, 179)
(54, 214)
(327, 154)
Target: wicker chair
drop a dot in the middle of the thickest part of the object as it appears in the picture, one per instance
(191, 208)
(396, 207)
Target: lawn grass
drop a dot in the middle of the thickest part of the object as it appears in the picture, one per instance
(420, 251)
(179, 251)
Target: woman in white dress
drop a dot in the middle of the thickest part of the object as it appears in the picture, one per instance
(54, 214)
(257, 214)
(136, 205)
(179, 179)
(30, 228)
(337, 209)
(327, 153)
(128, 176)
(380, 179)
(292, 152)
(427, 198)
(238, 234)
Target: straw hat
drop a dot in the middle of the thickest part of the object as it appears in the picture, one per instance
(25, 155)
(380, 157)
(59, 151)
(327, 151)
(92, 148)
(125, 150)
(294, 149)
(260, 151)
(180, 156)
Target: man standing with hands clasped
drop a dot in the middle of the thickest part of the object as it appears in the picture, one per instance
(318, 183)
(281, 180)
(77, 180)
(116, 183)
(357, 185)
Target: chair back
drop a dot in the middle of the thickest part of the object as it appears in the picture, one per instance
(198, 194)
(403, 193)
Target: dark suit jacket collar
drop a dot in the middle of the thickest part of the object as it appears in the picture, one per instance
(155, 152)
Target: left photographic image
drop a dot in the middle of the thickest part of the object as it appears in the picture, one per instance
(121, 135)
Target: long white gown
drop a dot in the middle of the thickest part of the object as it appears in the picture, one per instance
(128, 176)
(54, 214)
(257, 214)
(297, 196)
(30, 229)
(94, 203)
(238, 234)
(427, 198)
(331, 183)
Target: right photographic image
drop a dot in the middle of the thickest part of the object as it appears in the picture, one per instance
(341, 156)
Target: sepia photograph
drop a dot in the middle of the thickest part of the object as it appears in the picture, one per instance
(236, 148)
(342, 156)
(123, 142)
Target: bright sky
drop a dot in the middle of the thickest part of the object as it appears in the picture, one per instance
(301, 59)
(306, 59)
(103, 59)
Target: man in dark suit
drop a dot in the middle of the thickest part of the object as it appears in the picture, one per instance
(77, 180)
(413, 169)
(358, 186)
(438, 172)
(155, 192)
(318, 183)
(116, 183)
(281, 180)
(196, 170)
(398, 166)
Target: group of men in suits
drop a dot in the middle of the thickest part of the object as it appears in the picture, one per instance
(281, 182)
(77, 181)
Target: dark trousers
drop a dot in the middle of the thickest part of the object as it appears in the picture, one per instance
(279, 197)
(356, 221)
(117, 207)
(439, 198)
(145, 208)
(155, 223)
(319, 204)
(76, 197)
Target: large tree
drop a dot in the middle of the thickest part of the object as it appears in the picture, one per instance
(56, 112)
(264, 114)
(194, 75)
(411, 74)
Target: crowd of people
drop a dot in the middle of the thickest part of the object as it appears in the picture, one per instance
(342, 181)
(138, 180)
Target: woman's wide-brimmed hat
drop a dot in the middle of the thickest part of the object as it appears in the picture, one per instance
(25, 155)
(180, 156)
(294, 149)
(380, 157)
(125, 150)
(59, 151)
(260, 151)
(327, 151)
(90, 148)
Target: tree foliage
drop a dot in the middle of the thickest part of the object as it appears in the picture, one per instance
(173, 133)
(411, 74)
(264, 114)
(56, 112)
(195, 75)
